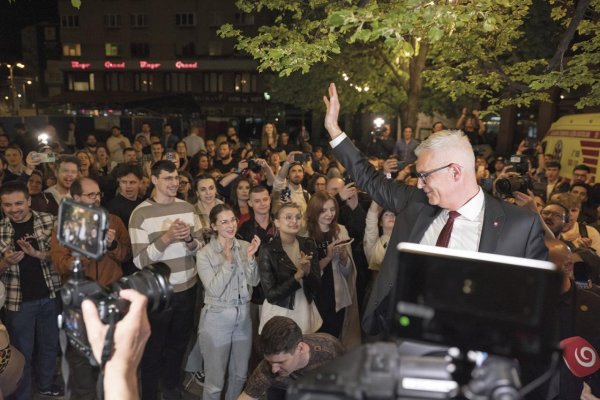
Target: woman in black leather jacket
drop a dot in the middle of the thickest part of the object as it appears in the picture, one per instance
(289, 272)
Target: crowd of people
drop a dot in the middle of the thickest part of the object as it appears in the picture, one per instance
(279, 231)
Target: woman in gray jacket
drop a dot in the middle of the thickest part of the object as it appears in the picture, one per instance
(228, 271)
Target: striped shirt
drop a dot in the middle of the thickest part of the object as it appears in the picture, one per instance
(148, 222)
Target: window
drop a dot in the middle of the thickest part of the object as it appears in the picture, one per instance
(244, 19)
(70, 21)
(139, 20)
(213, 82)
(113, 81)
(215, 48)
(140, 50)
(185, 19)
(72, 50)
(178, 82)
(216, 18)
(80, 81)
(245, 82)
(143, 81)
(111, 49)
(186, 49)
(112, 21)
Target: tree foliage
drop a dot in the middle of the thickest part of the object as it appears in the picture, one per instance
(496, 50)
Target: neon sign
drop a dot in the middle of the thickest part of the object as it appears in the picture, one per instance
(111, 65)
(147, 65)
(182, 65)
(79, 65)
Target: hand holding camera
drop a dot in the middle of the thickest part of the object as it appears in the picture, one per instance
(130, 337)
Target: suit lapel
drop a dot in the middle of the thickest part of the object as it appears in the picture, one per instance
(493, 223)
(424, 220)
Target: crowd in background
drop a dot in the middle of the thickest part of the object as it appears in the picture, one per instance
(279, 225)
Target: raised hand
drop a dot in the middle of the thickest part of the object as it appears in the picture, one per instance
(333, 111)
(253, 248)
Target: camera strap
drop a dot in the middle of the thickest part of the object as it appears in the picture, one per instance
(64, 365)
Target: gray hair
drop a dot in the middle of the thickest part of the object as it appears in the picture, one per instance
(452, 145)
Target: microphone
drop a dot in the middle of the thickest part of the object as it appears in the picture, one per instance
(580, 356)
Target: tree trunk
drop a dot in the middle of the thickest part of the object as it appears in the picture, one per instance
(410, 113)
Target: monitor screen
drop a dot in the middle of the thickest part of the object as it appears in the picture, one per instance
(476, 301)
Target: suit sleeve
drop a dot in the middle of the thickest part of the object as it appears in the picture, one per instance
(389, 194)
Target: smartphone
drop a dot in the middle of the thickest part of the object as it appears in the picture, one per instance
(531, 140)
(580, 276)
(344, 242)
(47, 157)
(304, 157)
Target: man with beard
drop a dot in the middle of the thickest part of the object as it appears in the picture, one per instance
(67, 170)
(288, 183)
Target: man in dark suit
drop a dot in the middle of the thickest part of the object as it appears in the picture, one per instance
(447, 190)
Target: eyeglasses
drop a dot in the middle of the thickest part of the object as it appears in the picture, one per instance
(169, 178)
(291, 217)
(93, 196)
(551, 214)
(226, 222)
(424, 175)
(183, 182)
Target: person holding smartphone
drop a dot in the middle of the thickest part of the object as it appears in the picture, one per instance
(337, 300)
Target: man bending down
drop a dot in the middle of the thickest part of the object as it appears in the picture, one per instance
(288, 355)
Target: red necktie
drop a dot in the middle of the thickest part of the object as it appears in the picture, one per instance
(446, 232)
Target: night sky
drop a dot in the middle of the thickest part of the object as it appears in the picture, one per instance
(18, 14)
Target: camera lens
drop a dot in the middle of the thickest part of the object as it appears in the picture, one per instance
(153, 282)
(511, 184)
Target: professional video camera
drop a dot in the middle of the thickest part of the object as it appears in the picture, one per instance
(519, 180)
(82, 229)
(461, 320)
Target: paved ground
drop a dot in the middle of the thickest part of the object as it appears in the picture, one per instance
(192, 392)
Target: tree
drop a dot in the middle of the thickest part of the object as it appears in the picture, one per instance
(459, 47)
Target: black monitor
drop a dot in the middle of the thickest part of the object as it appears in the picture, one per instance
(476, 301)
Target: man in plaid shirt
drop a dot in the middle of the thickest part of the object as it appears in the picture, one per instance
(31, 284)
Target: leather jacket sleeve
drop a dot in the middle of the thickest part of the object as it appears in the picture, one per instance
(277, 280)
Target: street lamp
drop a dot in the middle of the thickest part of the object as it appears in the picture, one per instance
(12, 87)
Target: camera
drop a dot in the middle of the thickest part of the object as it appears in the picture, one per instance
(459, 326)
(253, 165)
(82, 229)
(520, 180)
(378, 128)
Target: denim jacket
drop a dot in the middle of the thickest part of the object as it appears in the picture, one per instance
(226, 284)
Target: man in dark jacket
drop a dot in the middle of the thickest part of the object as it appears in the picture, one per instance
(447, 196)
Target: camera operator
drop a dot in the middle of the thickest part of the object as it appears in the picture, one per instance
(289, 179)
(105, 271)
(31, 285)
(288, 355)
(382, 145)
(131, 335)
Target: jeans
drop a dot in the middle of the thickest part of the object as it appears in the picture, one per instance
(164, 352)
(225, 337)
(35, 327)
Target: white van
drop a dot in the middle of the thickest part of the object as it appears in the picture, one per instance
(573, 140)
